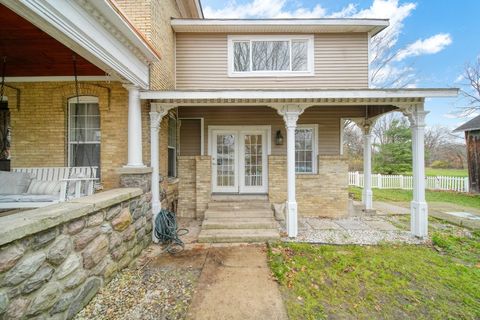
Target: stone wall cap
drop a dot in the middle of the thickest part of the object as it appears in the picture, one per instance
(134, 170)
(19, 225)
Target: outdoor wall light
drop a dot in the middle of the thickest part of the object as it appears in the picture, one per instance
(279, 138)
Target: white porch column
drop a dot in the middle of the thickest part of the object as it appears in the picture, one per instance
(290, 115)
(367, 194)
(419, 208)
(157, 112)
(134, 127)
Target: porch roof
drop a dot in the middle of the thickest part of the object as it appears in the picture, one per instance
(372, 26)
(317, 97)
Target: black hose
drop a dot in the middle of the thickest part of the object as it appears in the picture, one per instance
(167, 231)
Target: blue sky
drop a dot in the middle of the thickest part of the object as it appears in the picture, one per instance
(438, 37)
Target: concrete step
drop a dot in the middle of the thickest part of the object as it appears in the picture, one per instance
(232, 214)
(239, 205)
(239, 197)
(238, 235)
(239, 223)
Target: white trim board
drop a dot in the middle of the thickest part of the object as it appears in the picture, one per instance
(310, 94)
(280, 25)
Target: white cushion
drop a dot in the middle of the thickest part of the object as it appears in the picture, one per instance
(44, 187)
(14, 182)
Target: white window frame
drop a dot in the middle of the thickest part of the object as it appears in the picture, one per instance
(279, 73)
(171, 116)
(343, 123)
(314, 147)
(74, 100)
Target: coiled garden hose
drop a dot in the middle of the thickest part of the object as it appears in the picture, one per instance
(167, 231)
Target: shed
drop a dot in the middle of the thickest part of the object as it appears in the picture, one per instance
(472, 139)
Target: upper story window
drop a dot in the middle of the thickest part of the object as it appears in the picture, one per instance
(259, 55)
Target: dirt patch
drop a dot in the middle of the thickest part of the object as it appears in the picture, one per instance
(160, 289)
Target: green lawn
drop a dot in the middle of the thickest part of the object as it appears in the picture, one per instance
(398, 195)
(382, 282)
(446, 172)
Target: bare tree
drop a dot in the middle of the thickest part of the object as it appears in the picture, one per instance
(383, 53)
(472, 92)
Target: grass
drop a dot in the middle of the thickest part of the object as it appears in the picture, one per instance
(446, 172)
(381, 282)
(399, 195)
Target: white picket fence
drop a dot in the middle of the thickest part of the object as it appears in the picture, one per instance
(380, 181)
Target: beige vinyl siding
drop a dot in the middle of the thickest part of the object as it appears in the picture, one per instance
(327, 118)
(341, 61)
(190, 137)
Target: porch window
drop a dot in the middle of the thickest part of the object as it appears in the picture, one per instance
(172, 146)
(305, 149)
(257, 55)
(84, 132)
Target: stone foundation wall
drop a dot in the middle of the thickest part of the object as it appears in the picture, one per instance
(195, 185)
(324, 194)
(53, 260)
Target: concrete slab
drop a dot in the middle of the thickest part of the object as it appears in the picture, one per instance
(381, 225)
(236, 284)
(390, 208)
(323, 224)
(352, 224)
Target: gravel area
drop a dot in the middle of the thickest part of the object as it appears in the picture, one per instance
(160, 287)
(152, 293)
(354, 230)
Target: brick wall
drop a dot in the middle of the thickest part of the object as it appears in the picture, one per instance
(39, 124)
(324, 194)
(203, 184)
(187, 187)
(152, 18)
(195, 185)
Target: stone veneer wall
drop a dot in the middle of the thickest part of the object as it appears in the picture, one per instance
(195, 185)
(53, 260)
(324, 194)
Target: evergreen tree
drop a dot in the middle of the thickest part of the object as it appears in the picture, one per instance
(395, 155)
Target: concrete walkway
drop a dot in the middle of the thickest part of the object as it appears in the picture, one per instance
(235, 283)
(456, 214)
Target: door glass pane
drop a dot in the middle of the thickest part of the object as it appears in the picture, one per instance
(253, 160)
(225, 160)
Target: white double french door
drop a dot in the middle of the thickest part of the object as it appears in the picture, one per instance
(239, 159)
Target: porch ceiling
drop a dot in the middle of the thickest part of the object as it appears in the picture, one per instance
(30, 52)
(311, 97)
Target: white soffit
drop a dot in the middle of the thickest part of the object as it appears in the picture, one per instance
(372, 26)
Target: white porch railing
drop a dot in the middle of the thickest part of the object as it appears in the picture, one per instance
(459, 184)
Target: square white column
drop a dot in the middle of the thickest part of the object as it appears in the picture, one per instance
(290, 115)
(418, 206)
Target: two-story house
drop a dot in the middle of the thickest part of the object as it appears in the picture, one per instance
(212, 114)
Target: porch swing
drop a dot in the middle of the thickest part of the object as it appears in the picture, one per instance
(39, 187)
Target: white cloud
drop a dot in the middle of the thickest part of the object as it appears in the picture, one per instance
(431, 45)
(263, 9)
